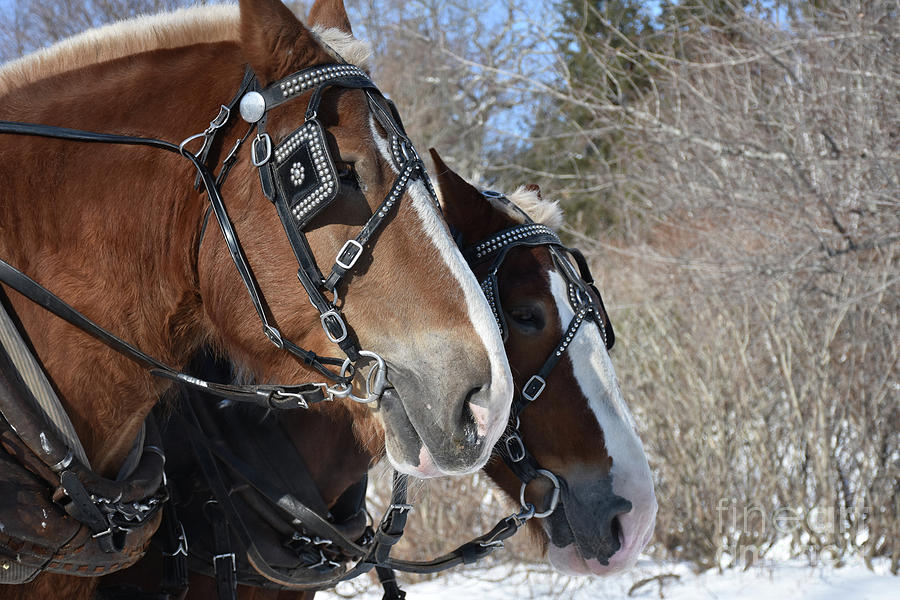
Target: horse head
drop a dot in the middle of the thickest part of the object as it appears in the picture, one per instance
(340, 156)
(573, 424)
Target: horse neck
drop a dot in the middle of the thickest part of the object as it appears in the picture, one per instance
(115, 232)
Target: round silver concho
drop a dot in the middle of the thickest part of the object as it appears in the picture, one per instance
(253, 107)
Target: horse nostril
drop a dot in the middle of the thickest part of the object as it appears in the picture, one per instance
(474, 415)
(473, 392)
(617, 533)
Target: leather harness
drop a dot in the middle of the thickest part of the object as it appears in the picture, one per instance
(99, 525)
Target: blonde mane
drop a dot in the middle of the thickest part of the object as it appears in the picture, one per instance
(546, 212)
(183, 27)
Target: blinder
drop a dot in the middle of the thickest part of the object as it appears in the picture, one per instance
(305, 175)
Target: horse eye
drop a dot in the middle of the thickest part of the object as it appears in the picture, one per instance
(346, 170)
(529, 317)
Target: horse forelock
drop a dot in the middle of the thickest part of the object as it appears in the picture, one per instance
(179, 28)
(545, 212)
(344, 46)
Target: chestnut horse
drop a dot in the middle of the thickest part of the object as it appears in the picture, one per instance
(576, 432)
(117, 232)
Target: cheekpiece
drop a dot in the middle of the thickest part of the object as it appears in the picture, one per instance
(492, 293)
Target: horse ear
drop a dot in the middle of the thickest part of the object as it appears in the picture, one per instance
(274, 41)
(533, 187)
(330, 14)
(464, 206)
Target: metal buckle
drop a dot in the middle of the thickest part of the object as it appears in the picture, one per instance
(534, 387)
(523, 515)
(554, 499)
(220, 120)
(258, 162)
(103, 533)
(516, 454)
(273, 334)
(402, 508)
(355, 257)
(332, 316)
(65, 462)
(216, 123)
(298, 399)
(182, 544)
(220, 556)
(337, 391)
(407, 150)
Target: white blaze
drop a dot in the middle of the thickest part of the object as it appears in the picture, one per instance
(594, 373)
(477, 307)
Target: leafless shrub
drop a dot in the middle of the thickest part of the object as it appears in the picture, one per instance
(754, 265)
(751, 179)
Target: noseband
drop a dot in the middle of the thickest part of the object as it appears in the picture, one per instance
(581, 293)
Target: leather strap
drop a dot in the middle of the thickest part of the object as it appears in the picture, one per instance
(272, 396)
(174, 551)
(388, 580)
(34, 377)
(224, 559)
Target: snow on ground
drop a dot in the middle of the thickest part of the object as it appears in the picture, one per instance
(793, 580)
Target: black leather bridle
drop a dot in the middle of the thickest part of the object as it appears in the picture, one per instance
(299, 177)
(581, 293)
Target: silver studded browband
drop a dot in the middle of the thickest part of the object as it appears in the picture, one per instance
(531, 234)
(296, 84)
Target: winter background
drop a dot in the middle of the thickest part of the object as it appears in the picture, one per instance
(731, 168)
